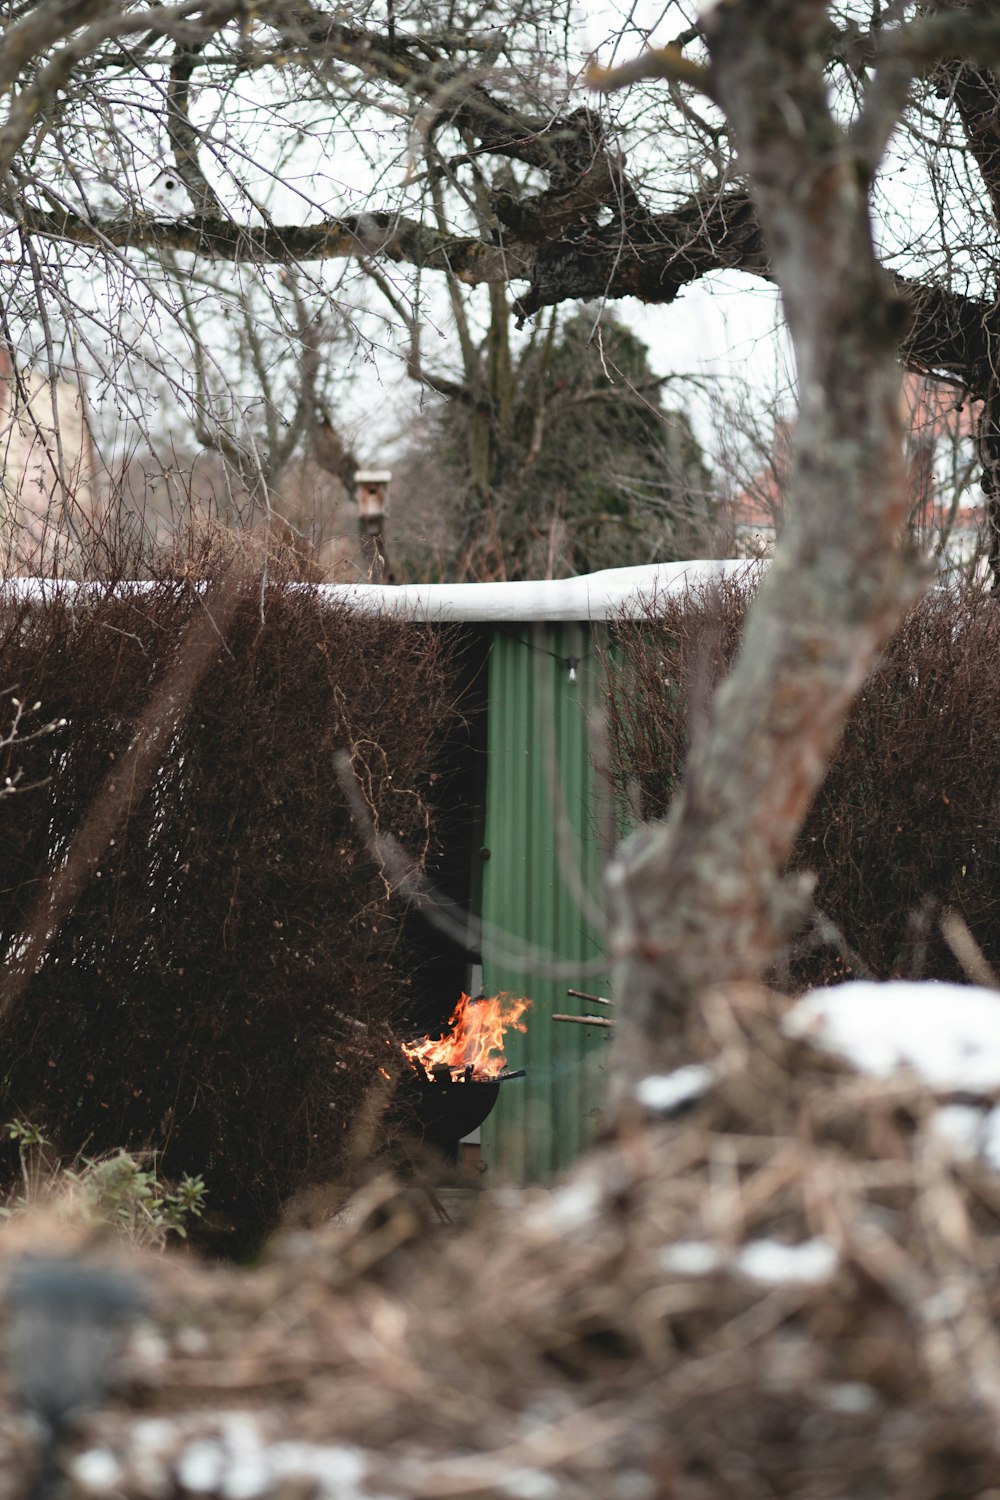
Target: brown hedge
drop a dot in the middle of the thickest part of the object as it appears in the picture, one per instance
(907, 823)
(202, 994)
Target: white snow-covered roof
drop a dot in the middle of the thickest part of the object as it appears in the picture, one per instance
(595, 596)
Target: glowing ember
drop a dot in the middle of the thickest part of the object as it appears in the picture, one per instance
(474, 1038)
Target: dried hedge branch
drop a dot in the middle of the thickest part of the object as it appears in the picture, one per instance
(202, 994)
(907, 824)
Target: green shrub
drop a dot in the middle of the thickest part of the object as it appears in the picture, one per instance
(121, 1191)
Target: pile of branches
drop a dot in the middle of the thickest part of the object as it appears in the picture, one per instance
(201, 953)
(789, 1290)
(906, 827)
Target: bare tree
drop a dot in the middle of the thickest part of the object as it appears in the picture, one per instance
(107, 146)
(703, 899)
(755, 142)
(419, 145)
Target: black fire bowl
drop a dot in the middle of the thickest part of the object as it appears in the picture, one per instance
(447, 1111)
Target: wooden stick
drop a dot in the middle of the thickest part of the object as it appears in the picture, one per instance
(586, 1020)
(583, 995)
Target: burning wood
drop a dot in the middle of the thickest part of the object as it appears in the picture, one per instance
(471, 1049)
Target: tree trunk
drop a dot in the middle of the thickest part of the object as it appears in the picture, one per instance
(702, 899)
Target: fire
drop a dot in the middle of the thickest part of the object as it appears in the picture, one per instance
(474, 1038)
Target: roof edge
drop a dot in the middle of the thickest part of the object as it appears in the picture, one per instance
(591, 596)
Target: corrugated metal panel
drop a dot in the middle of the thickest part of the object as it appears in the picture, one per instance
(539, 758)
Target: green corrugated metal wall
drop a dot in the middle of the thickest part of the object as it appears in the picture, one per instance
(536, 713)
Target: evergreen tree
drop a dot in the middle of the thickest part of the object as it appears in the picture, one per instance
(568, 462)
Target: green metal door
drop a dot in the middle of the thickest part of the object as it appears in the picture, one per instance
(542, 893)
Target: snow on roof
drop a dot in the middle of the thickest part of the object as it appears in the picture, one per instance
(948, 1034)
(595, 596)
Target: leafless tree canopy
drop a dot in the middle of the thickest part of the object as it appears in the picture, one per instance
(181, 180)
(211, 211)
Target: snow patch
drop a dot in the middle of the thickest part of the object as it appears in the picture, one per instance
(97, 1471)
(768, 1262)
(948, 1034)
(966, 1133)
(957, 1129)
(666, 1093)
(202, 1467)
(592, 596)
(774, 1264)
(691, 1258)
(989, 1139)
(247, 1474)
(849, 1398)
(340, 1469)
(529, 1484)
(633, 1484)
(572, 1208)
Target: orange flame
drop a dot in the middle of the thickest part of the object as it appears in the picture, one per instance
(474, 1038)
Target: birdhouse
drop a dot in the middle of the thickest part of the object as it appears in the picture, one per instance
(371, 486)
